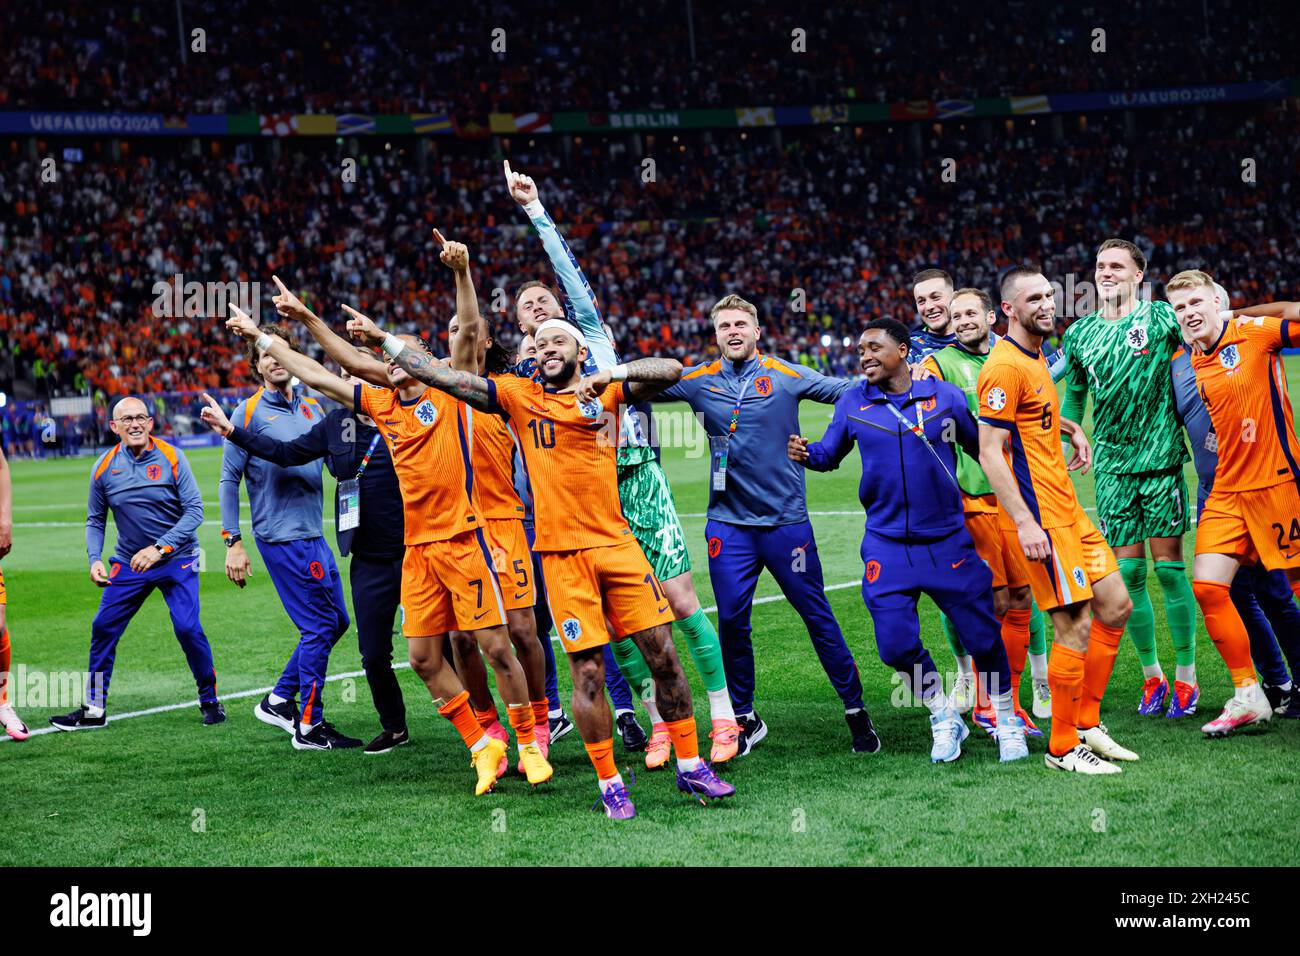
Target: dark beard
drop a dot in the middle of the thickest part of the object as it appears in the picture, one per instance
(565, 374)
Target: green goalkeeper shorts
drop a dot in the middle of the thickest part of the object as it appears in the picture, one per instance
(652, 515)
(1133, 508)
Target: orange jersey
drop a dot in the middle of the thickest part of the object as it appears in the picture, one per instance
(570, 453)
(492, 454)
(428, 441)
(1243, 385)
(1016, 393)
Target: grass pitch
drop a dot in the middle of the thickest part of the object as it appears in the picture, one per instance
(163, 789)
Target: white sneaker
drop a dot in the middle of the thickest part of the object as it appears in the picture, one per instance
(1100, 743)
(949, 731)
(1247, 706)
(1042, 705)
(13, 724)
(963, 693)
(1011, 740)
(1081, 760)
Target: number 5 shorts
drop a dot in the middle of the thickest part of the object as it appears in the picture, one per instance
(1255, 525)
(450, 585)
(512, 560)
(585, 587)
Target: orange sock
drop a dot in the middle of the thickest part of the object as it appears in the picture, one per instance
(541, 712)
(602, 758)
(1065, 678)
(4, 666)
(486, 718)
(461, 715)
(982, 702)
(1226, 629)
(1099, 663)
(1015, 637)
(521, 720)
(685, 743)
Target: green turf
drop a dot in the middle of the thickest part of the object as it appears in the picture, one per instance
(163, 789)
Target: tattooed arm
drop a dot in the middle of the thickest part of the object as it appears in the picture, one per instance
(420, 365)
(645, 378)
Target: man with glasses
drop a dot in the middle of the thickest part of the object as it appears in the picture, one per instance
(157, 509)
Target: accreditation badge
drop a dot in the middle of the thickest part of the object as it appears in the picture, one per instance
(349, 504)
(718, 461)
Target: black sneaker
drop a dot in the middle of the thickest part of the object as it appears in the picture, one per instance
(77, 720)
(283, 715)
(213, 713)
(1292, 710)
(323, 737)
(634, 738)
(865, 740)
(559, 726)
(1278, 698)
(388, 740)
(752, 730)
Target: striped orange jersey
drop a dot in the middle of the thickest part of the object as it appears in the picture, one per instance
(1243, 385)
(492, 454)
(1016, 392)
(570, 453)
(428, 440)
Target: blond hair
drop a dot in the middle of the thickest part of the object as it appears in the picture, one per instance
(733, 301)
(1188, 279)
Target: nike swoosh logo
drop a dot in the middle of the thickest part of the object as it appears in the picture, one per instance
(479, 615)
(520, 595)
(536, 411)
(863, 408)
(185, 566)
(115, 471)
(1038, 390)
(664, 608)
(271, 418)
(959, 564)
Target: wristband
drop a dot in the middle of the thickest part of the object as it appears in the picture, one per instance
(535, 209)
(392, 345)
(263, 342)
(618, 373)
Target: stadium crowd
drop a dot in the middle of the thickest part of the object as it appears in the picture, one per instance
(844, 217)
(371, 57)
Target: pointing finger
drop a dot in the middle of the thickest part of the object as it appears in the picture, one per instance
(438, 236)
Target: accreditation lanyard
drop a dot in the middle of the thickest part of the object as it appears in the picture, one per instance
(718, 443)
(919, 431)
(350, 492)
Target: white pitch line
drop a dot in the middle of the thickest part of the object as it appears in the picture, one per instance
(258, 691)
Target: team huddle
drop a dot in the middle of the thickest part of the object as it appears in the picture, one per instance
(485, 498)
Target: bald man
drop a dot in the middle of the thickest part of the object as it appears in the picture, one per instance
(157, 509)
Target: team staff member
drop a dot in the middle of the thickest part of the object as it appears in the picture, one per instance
(758, 509)
(286, 506)
(353, 450)
(9, 718)
(157, 510)
(916, 540)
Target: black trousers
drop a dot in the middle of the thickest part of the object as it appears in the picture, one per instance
(376, 594)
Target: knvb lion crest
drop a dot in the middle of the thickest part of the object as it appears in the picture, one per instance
(1137, 338)
(1230, 357)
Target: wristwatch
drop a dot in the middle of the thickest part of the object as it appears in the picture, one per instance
(163, 549)
(231, 539)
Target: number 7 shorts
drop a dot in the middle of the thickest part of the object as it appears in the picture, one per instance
(1262, 524)
(585, 587)
(450, 585)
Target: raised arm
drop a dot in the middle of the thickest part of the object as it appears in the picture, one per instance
(1281, 310)
(643, 379)
(579, 300)
(308, 371)
(309, 446)
(420, 365)
(367, 368)
(472, 330)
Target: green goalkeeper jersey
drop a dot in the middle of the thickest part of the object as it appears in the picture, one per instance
(1125, 364)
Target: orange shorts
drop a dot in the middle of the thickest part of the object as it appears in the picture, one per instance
(1001, 553)
(2, 587)
(1258, 525)
(585, 587)
(512, 561)
(450, 586)
(1080, 556)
